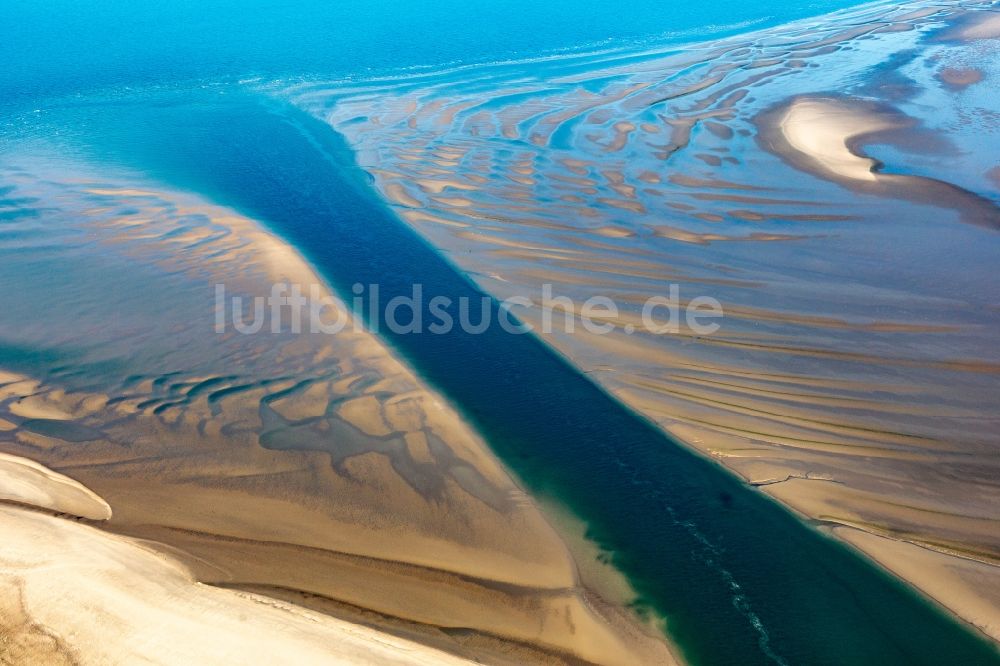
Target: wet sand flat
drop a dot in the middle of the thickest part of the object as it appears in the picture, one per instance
(855, 375)
(313, 468)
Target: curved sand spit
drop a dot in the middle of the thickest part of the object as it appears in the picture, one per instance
(26, 482)
(824, 136)
(822, 129)
(75, 594)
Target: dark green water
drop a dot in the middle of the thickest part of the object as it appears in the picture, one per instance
(738, 578)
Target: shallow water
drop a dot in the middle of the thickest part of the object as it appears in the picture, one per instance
(736, 578)
(66, 46)
(854, 374)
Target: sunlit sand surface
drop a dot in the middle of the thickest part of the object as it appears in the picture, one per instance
(142, 604)
(23, 481)
(821, 129)
(316, 469)
(851, 238)
(833, 183)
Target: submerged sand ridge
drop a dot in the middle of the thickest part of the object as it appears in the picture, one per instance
(855, 376)
(312, 468)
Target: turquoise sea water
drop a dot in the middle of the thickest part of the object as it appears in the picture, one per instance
(738, 579)
(67, 46)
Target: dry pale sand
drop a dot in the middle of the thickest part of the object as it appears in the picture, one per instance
(825, 136)
(74, 594)
(26, 482)
(822, 129)
(312, 468)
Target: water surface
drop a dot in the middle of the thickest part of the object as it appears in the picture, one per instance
(737, 578)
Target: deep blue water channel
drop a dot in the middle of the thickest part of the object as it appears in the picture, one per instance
(737, 578)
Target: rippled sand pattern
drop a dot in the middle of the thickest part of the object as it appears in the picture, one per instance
(856, 375)
(314, 468)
